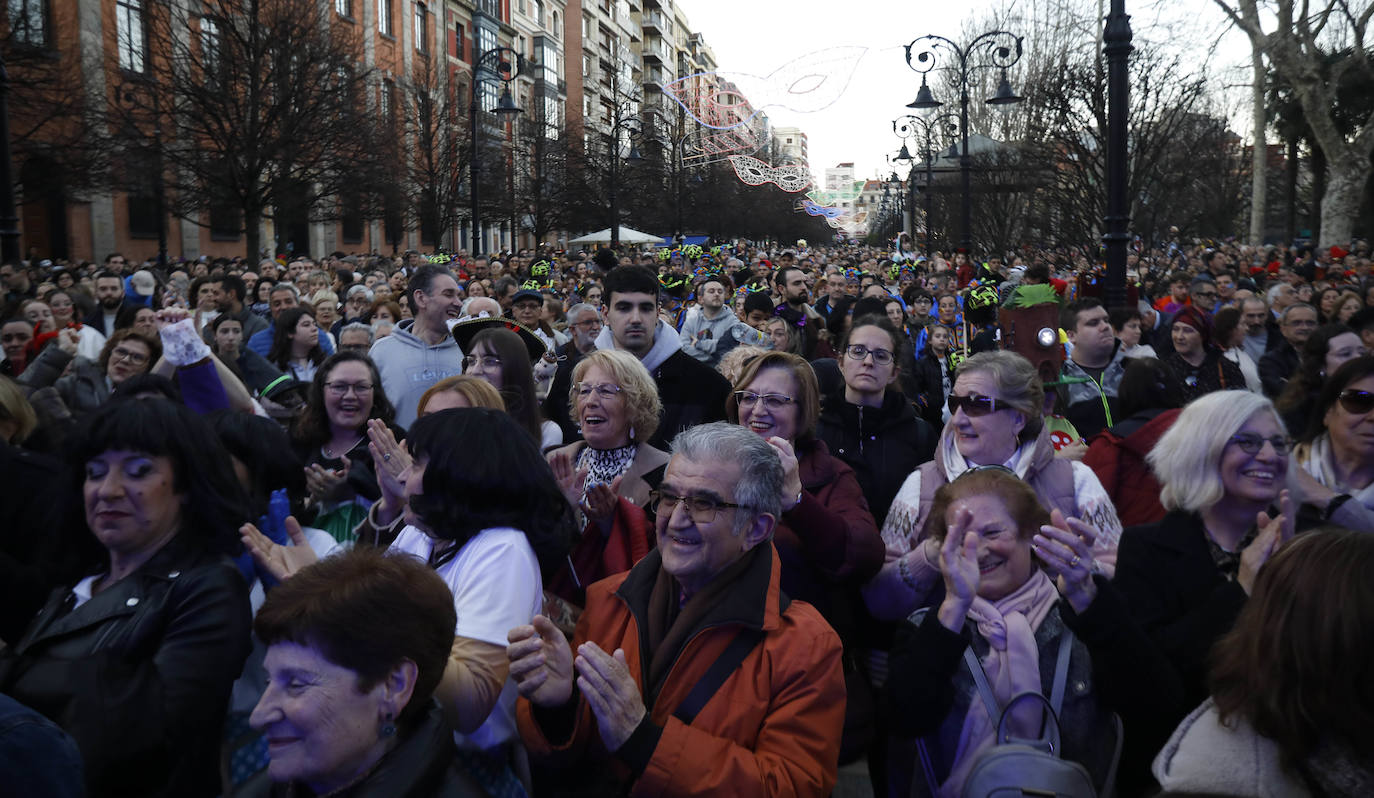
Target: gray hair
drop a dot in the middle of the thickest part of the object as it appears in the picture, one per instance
(759, 489)
(1186, 458)
(1283, 316)
(354, 326)
(285, 286)
(358, 288)
(1017, 382)
(1273, 292)
(580, 308)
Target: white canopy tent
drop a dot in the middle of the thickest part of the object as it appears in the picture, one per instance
(627, 236)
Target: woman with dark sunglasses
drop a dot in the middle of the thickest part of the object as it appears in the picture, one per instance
(996, 420)
(1335, 460)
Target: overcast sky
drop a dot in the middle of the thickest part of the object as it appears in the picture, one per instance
(757, 36)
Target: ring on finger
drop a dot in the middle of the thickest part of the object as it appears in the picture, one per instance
(386, 456)
(1074, 562)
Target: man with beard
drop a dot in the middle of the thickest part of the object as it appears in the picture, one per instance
(114, 311)
(229, 293)
(421, 351)
(711, 328)
(790, 284)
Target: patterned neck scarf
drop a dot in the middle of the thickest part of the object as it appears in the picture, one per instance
(604, 465)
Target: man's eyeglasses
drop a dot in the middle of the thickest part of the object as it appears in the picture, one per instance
(771, 401)
(974, 405)
(341, 389)
(603, 390)
(1252, 444)
(486, 361)
(881, 357)
(701, 509)
(1356, 402)
(1206, 294)
(121, 354)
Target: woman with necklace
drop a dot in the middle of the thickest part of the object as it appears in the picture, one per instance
(330, 437)
(1222, 466)
(608, 474)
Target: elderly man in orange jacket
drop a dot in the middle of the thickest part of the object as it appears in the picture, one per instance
(692, 673)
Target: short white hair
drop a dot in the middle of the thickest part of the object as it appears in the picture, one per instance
(1186, 459)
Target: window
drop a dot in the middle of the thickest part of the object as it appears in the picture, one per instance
(458, 43)
(486, 40)
(344, 8)
(351, 223)
(210, 49)
(556, 27)
(29, 22)
(522, 6)
(389, 100)
(421, 28)
(129, 20)
(384, 17)
(226, 218)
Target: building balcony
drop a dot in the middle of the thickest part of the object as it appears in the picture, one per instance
(654, 22)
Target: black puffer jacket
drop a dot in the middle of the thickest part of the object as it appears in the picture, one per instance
(929, 379)
(882, 444)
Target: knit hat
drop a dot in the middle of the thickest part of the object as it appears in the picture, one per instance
(1198, 320)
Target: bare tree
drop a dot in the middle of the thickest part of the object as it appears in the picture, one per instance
(1297, 47)
(260, 104)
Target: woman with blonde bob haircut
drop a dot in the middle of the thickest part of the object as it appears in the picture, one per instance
(996, 418)
(17, 419)
(1223, 466)
(459, 391)
(1291, 708)
(608, 474)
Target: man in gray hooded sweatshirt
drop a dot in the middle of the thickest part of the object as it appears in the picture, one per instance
(711, 328)
(421, 351)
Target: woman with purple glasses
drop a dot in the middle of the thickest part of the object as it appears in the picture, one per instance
(996, 419)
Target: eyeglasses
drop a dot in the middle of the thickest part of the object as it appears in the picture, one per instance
(341, 389)
(1206, 294)
(881, 357)
(120, 354)
(701, 509)
(771, 401)
(974, 405)
(603, 390)
(1252, 444)
(486, 361)
(1356, 402)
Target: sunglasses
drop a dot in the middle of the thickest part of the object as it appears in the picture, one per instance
(973, 405)
(1356, 402)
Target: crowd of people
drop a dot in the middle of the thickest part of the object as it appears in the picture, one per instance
(747, 519)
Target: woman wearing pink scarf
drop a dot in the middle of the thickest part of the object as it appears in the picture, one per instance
(1013, 612)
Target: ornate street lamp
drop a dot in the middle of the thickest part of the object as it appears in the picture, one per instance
(498, 67)
(925, 132)
(993, 50)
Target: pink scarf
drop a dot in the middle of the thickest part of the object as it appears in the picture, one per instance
(1012, 665)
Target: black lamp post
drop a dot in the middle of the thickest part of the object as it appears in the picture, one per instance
(496, 62)
(999, 50)
(906, 128)
(1116, 38)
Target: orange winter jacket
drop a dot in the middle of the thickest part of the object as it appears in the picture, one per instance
(772, 729)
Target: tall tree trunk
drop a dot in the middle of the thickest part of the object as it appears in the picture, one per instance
(1320, 176)
(1259, 177)
(1341, 204)
(252, 231)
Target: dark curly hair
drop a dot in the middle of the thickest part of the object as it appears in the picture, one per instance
(312, 426)
(483, 471)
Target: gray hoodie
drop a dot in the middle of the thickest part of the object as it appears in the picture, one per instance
(409, 367)
(708, 340)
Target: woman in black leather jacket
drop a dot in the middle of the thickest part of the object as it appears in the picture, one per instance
(869, 423)
(136, 660)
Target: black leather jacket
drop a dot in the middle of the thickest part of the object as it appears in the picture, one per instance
(140, 674)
